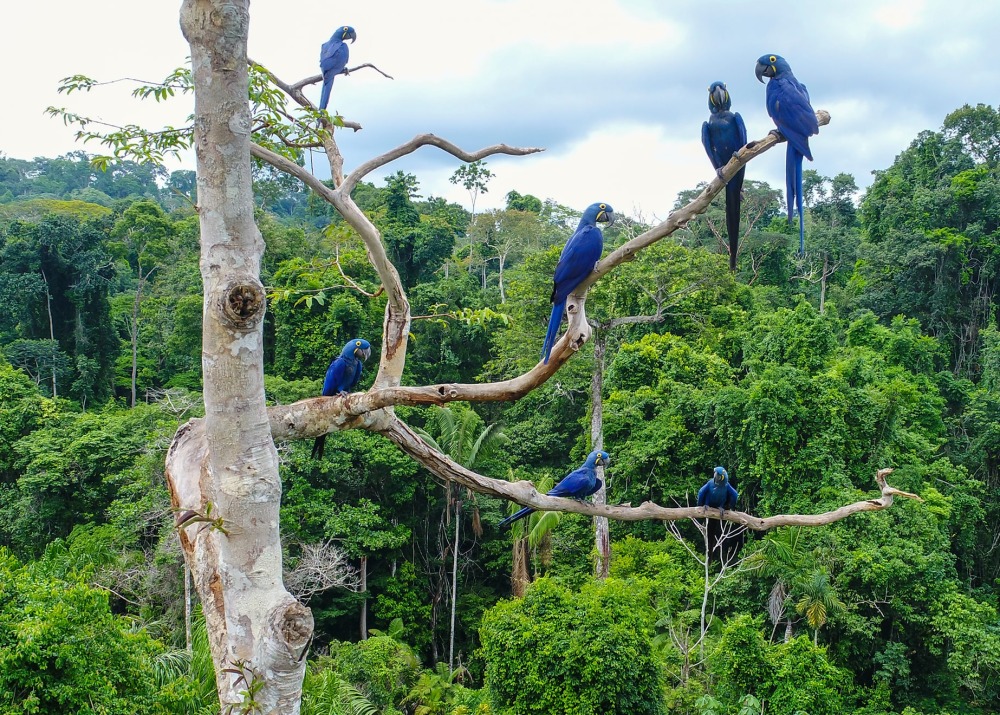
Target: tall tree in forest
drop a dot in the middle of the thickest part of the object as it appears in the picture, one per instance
(929, 224)
(142, 232)
(257, 631)
(56, 275)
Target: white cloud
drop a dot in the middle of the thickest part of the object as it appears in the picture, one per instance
(900, 15)
(615, 90)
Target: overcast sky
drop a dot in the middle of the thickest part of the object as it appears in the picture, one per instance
(615, 91)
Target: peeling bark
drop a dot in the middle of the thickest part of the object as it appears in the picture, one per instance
(224, 469)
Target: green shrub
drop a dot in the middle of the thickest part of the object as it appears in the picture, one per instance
(577, 653)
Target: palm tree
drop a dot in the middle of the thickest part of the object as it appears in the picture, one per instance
(818, 600)
(195, 667)
(529, 534)
(782, 556)
(463, 437)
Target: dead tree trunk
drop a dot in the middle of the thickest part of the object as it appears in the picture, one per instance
(602, 535)
(454, 582)
(364, 600)
(223, 470)
(52, 333)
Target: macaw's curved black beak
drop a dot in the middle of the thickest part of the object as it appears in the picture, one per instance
(352, 36)
(364, 352)
(719, 96)
(763, 70)
(607, 217)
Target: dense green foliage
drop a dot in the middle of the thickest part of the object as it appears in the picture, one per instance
(802, 375)
(62, 650)
(576, 652)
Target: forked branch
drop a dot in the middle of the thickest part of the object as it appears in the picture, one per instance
(420, 140)
(578, 332)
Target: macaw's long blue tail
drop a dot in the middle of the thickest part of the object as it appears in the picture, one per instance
(798, 200)
(318, 445)
(324, 98)
(734, 191)
(515, 516)
(550, 337)
(793, 187)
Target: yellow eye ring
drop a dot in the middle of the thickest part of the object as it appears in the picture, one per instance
(772, 58)
(358, 343)
(604, 206)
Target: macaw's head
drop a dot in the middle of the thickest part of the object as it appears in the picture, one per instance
(718, 97)
(347, 33)
(720, 476)
(771, 66)
(600, 458)
(357, 347)
(595, 213)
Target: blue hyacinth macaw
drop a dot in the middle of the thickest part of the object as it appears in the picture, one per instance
(722, 136)
(333, 59)
(341, 377)
(579, 483)
(788, 105)
(578, 258)
(718, 493)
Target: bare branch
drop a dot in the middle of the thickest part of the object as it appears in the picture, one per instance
(321, 567)
(579, 330)
(524, 492)
(290, 167)
(310, 418)
(429, 140)
(319, 78)
(680, 218)
(350, 281)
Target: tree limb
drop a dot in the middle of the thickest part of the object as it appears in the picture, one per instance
(292, 422)
(430, 140)
(578, 332)
(319, 78)
(525, 494)
(680, 218)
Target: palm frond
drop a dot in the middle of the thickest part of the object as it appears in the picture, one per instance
(542, 523)
(170, 665)
(487, 443)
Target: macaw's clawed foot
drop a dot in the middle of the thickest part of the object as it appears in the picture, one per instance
(719, 172)
(722, 513)
(777, 134)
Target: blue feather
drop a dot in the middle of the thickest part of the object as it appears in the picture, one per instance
(579, 483)
(723, 135)
(718, 493)
(342, 376)
(788, 105)
(577, 260)
(333, 60)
